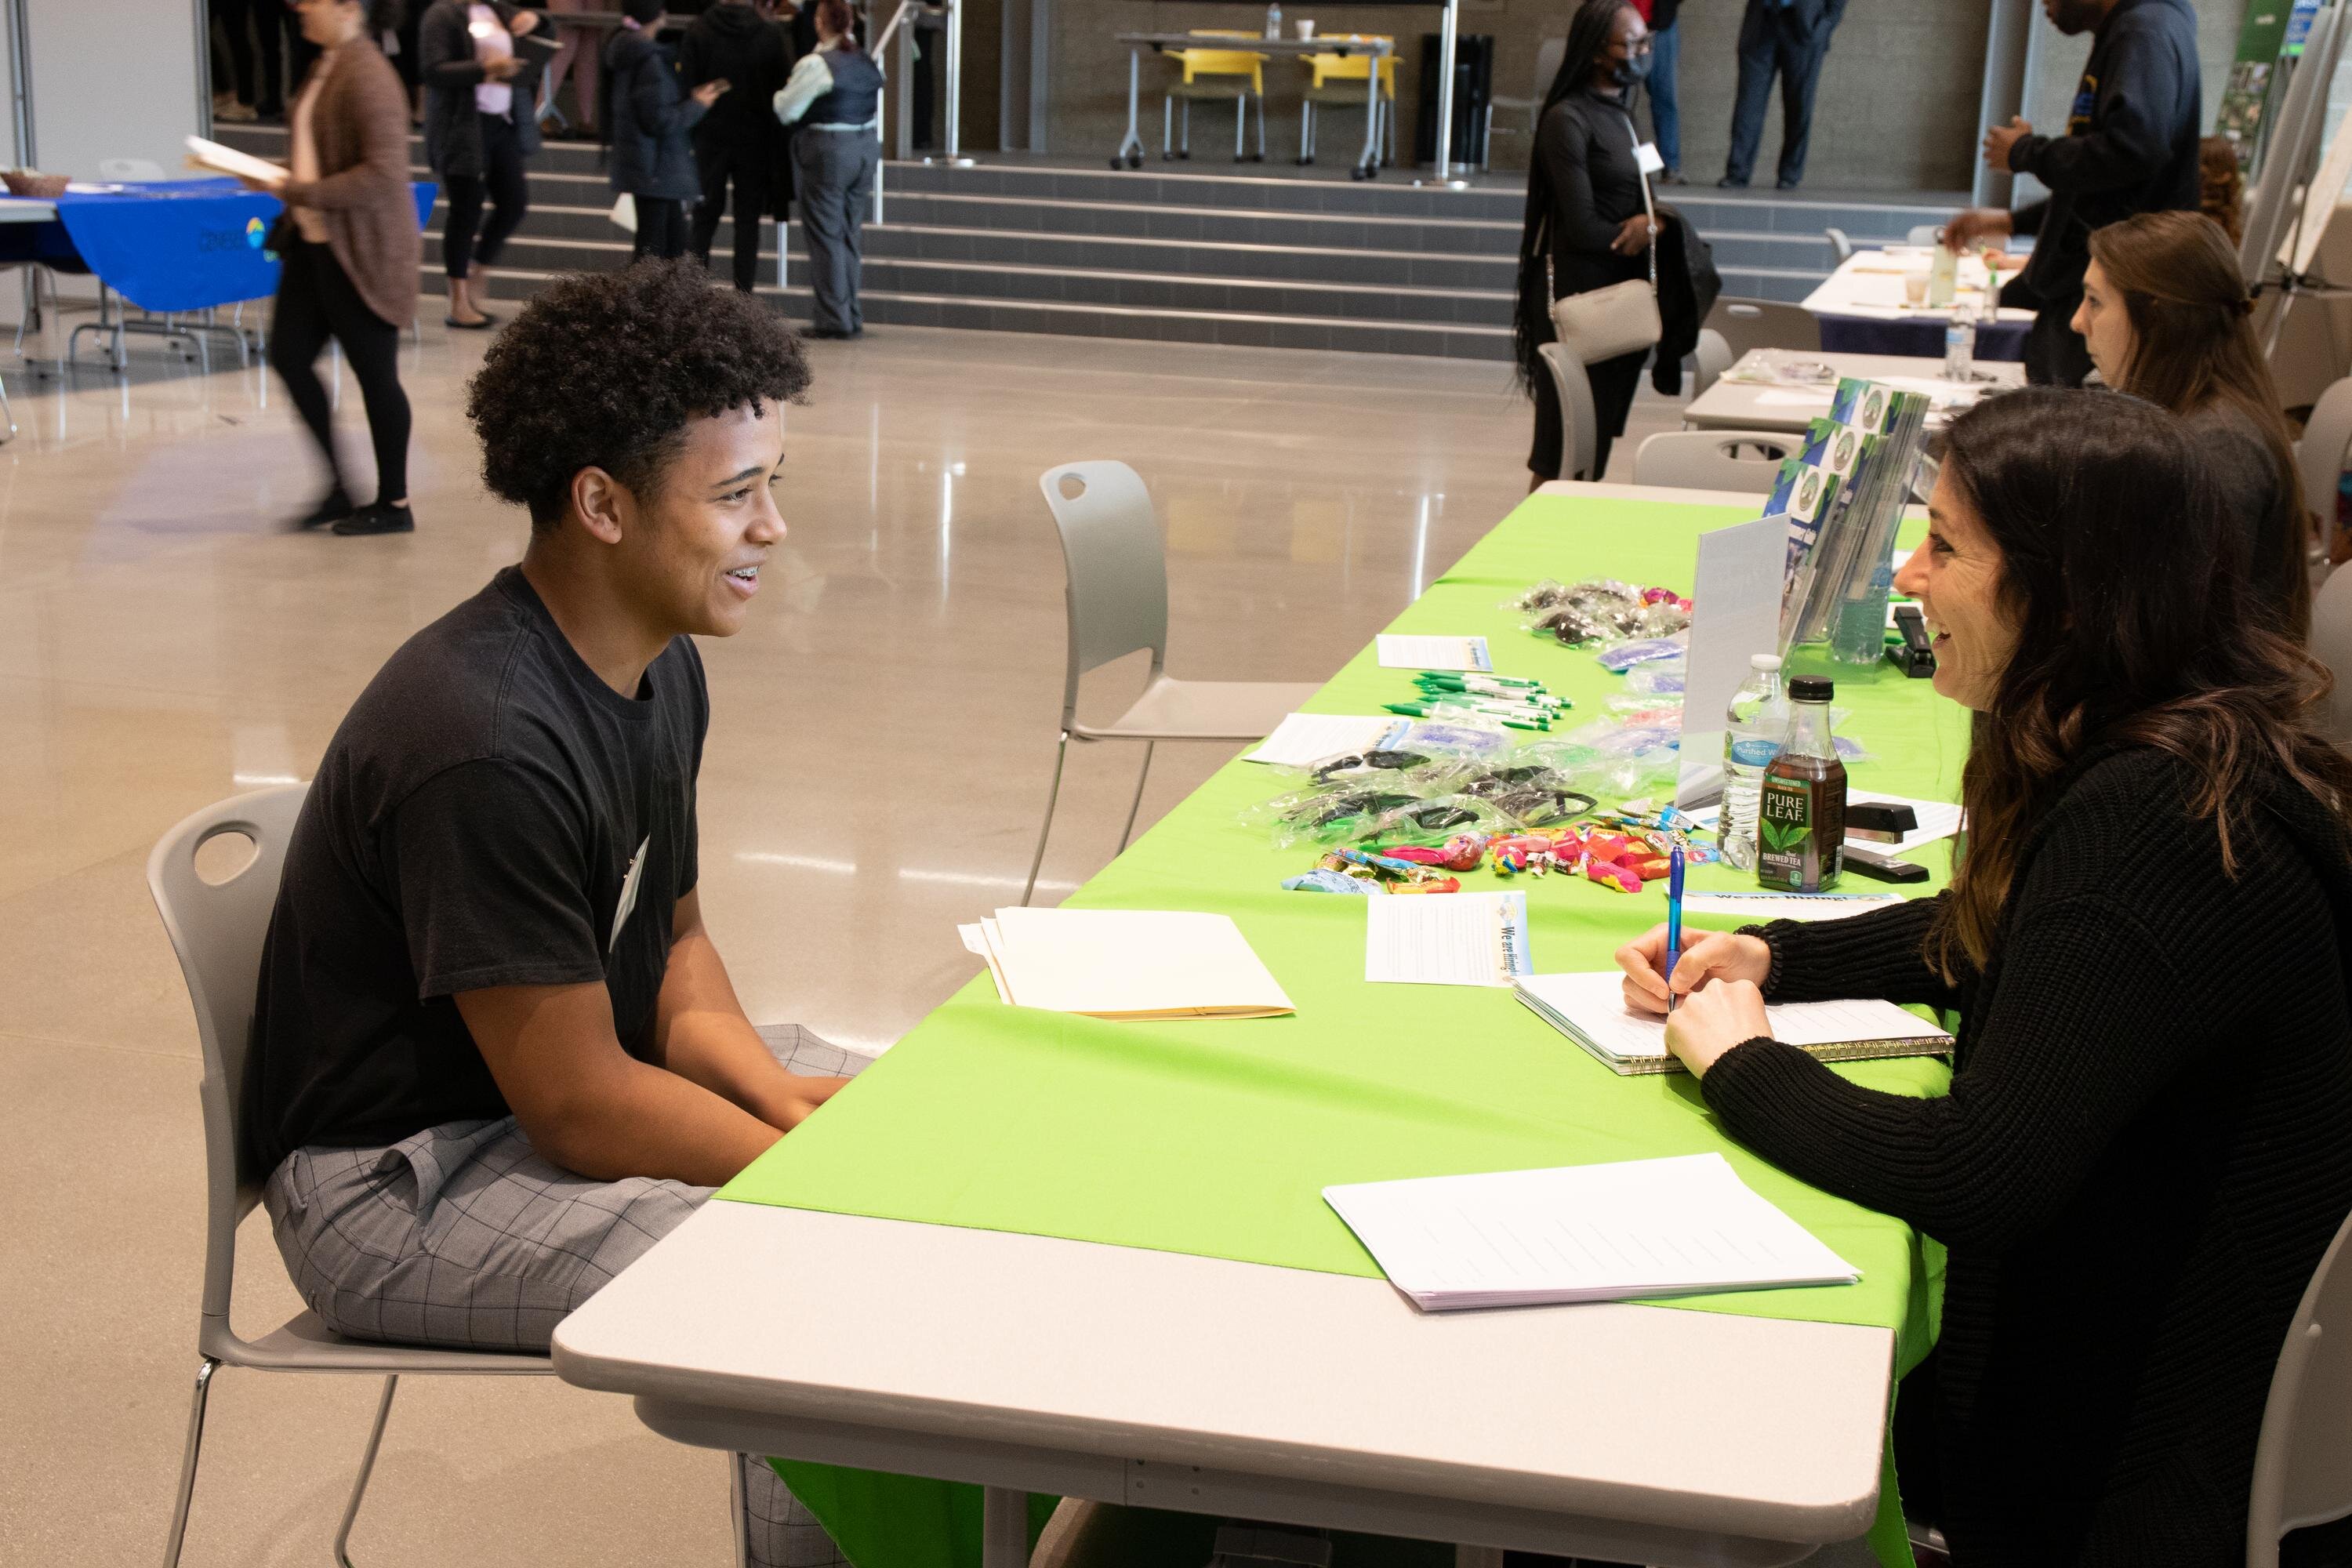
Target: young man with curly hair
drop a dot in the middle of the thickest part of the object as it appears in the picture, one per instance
(496, 1054)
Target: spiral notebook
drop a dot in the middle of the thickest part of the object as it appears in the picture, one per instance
(1591, 1009)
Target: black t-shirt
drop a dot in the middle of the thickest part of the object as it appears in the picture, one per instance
(489, 813)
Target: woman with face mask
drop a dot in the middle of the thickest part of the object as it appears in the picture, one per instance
(1587, 224)
(2148, 1143)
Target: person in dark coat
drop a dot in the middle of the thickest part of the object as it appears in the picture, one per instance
(1790, 38)
(2131, 146)
(478, 129)
(739, 140)
(1688, 285)
(1587, 225)
(2146, 1147)
(647, 117)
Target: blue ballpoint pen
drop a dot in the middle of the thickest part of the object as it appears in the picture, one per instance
(1673, 922)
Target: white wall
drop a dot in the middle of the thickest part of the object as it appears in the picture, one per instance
(111, 78)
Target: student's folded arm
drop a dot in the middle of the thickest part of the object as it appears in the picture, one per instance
(1881, 954)
(2090, 1022)
(2026, 221)
(702, 1034)
(590, 1107)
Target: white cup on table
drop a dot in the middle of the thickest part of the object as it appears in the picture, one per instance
(1305, 29)
(1914, 287)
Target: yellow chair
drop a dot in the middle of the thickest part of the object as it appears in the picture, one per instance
(1342, 80)
(1214, 73)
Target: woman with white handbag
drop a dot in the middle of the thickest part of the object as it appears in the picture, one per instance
(1588, 254)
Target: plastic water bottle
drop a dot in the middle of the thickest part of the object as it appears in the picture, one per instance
(1960, 348)
(1274, 20)
(1755, 727)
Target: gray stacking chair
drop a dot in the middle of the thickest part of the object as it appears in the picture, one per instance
(217, 928)
(1580, 425)
(2331, 645)
(1713, 357)
(1924, 234)
(1747, 324)
(2319, 456)
(2303, 1460)
(1841, 245)
(1711, 460)
(1118, 600)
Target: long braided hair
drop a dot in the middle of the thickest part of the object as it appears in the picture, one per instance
(1588, 37)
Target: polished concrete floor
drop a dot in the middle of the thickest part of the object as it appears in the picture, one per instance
(165, 643)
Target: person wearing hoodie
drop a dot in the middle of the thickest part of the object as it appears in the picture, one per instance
(648, 118)
(739, 140)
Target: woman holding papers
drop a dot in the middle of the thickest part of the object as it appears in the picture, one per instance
(2147, 1144)
(2166, 316)
(351, 252)
(479, 127)
(1588, 220)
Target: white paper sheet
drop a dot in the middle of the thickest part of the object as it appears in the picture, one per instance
(1755, 908)
(1132, 963)
(1447, 939)
(1735, 612)
(1302, 740)
(1402, 652)
(1581, 1233)
(1595, 1003)
(225, 160)
(975, 940)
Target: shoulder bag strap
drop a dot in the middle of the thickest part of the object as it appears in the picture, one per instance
(1647, 206)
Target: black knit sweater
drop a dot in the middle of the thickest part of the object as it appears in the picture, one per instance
(2146, 1147)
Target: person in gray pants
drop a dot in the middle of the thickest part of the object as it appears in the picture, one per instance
(496, 1054)
(833, 98)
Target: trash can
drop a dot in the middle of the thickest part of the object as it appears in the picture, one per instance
(1474, 90)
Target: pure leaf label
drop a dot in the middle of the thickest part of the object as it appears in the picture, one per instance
(1783, 837)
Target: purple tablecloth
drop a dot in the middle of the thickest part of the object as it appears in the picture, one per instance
(1918, 338)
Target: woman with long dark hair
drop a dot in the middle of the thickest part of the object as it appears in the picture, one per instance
(2166, 316)
(1587, 224)
(2147, 1144)
(351, 252)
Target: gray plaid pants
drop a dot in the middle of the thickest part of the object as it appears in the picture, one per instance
(462, 1236)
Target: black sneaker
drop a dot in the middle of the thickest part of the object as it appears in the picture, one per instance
(334, 508)
(378, 516)
(1729, 183)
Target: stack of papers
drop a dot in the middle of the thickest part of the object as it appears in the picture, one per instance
(1581, 1233)
(1591, 1009)
(1302, 740)
(225, 160)
(1447, 939)
(1403, 652)
(1126, 964)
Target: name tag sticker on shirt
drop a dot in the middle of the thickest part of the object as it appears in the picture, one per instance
(628, 893)
(1646, 156)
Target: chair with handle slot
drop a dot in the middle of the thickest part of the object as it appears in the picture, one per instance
(1712, 461)
(1580, 426)
(2302, 1457)
(217, 928)
(1117, 595)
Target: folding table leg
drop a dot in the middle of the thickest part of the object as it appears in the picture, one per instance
(1004, 1529)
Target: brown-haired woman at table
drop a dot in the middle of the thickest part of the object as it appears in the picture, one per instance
(2147, 1144)
(2166, 317)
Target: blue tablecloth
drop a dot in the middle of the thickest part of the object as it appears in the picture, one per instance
(1918, 338)
(177, 245)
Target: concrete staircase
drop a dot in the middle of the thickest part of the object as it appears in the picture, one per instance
(1272, 261)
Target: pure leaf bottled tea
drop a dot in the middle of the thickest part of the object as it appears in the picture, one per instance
(1800, 815)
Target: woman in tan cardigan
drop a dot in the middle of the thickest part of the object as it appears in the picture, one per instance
(352, 250)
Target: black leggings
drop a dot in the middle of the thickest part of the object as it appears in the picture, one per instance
(661, 229)
(509, 196)
(246, 22)
(316, 301)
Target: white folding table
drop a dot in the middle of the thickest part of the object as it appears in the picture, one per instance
(1731, 404)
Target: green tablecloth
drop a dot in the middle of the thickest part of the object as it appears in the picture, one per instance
(1217, 1138)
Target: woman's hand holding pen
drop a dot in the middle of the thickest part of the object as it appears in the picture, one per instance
(1633, 235)
(1716, 989)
